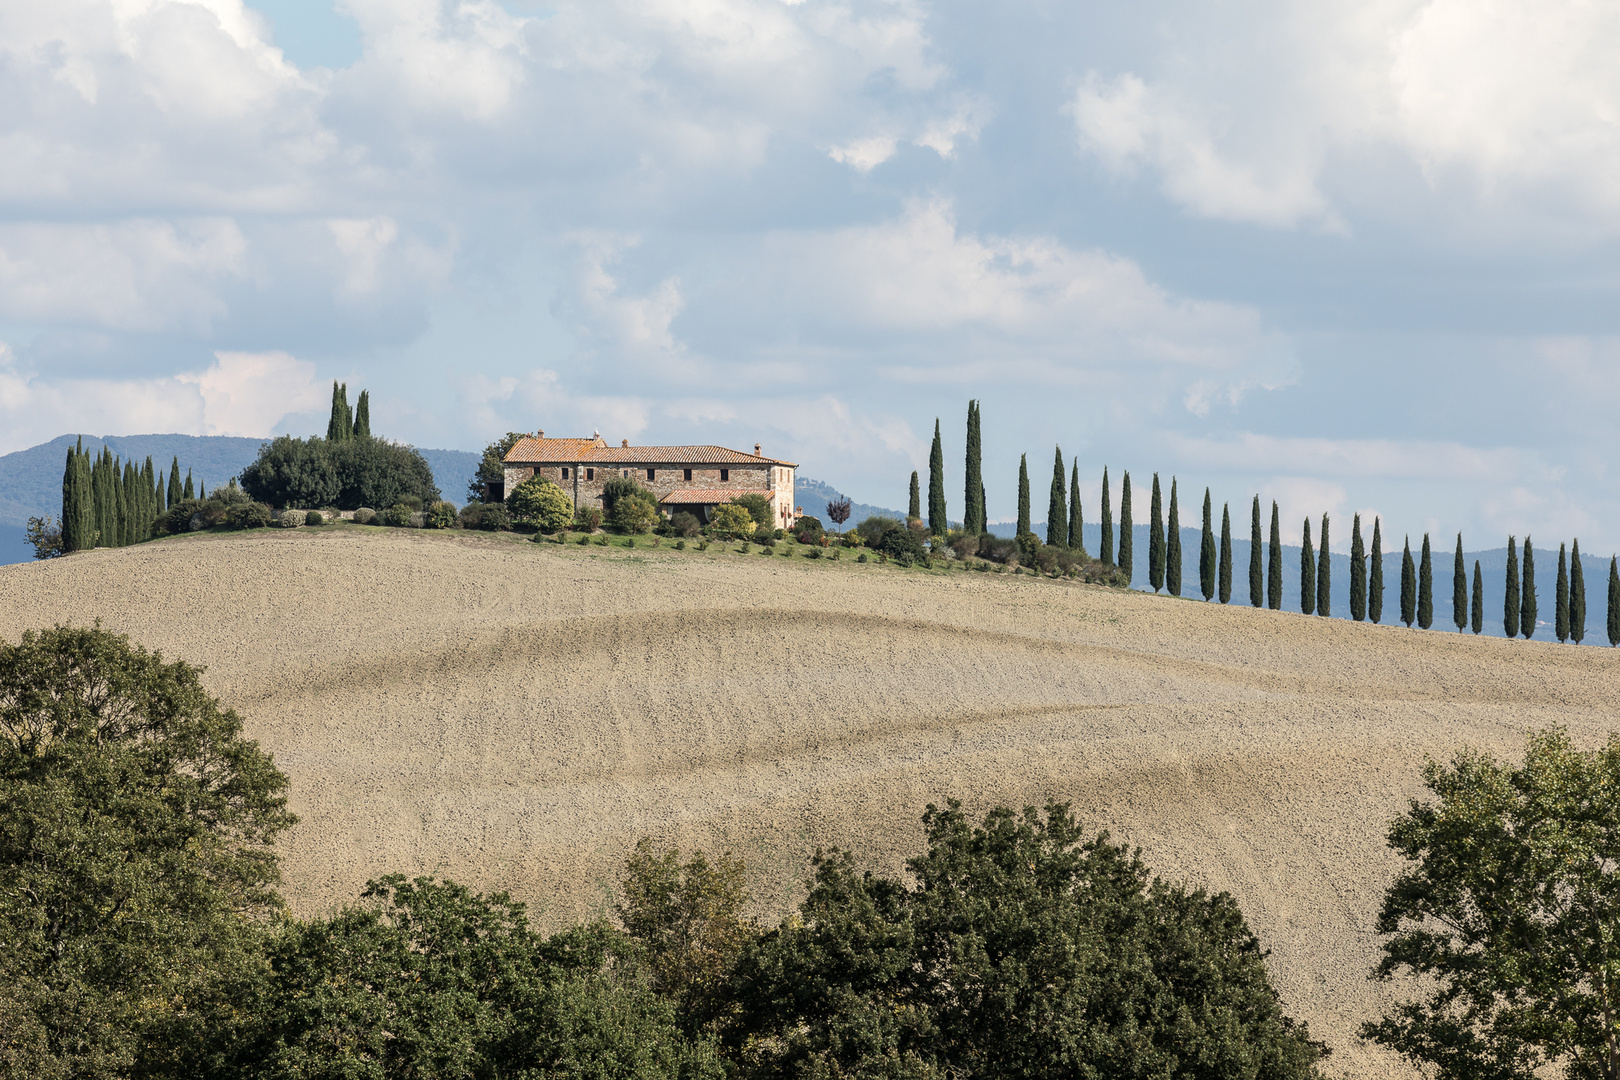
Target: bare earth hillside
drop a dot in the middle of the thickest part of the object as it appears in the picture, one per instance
(516, 715)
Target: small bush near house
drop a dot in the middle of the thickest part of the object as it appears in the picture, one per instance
(588, 518)
(759, 509)
(861, 557)
(398, 516)
(731, 521)
(290, 519)
(494, 518)
(767, 541)
(637, 513)
(365, 516)
(685, 524)
(602, 540)
(964, 545)
(314, 517)
(874, 527)
(703, 545)
(680, 545)
(584, 540)
(248, 515)
(441, 515)
(541, 503)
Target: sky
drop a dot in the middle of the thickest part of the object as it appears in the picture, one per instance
(1353, 257)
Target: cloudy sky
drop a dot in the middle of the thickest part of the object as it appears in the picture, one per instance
(1351, 256)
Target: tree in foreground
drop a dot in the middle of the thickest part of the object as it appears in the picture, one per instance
(1408, 585)
(1425, 598)
(838, 510)
(1057, 504)
(1106, 554)
(1226, 555)
(1504, 917)
(1257, 576)
(938, 522)
(1023, 494)
(1172, 545)
(1561, 599)
(1274, 563)
(1324, 573)
(1207, 555)
(1477, 609)
(1459, 589)
(136, 859)
(1375, 575)
(1127, 542)
(914, 507)
(1307, 571)
(1614, 603)
(1156, 540)
(1510, 598)
(1020, 947)
(973, 515)
(1577, 594)
(1358, 572)
(1527, 595)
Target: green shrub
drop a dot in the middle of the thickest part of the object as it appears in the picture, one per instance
(584, 540)
(290, 519)
(813, 553)
(588, 518)
(680, 545)
(731, 521)
(636, 513)
(365, 516)
(494, 518)
(541, 503)
(861, 557)
(178, 520)
(441, 515)
(703, 545)
(248, 515)
(602, 540)
(314, 517)
(685, 524)
(759, 509)
(873, 528)
(768, 542)
(398, 516)
(348, 474)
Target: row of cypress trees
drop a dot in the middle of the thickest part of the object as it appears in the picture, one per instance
(107, 502)
(346, 423)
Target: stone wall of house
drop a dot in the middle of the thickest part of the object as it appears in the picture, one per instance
(584, 482)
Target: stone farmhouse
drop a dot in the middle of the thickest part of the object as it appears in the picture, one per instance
(691, 478)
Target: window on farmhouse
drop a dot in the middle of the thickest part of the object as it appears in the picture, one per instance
(565, 472)
(650, 475)
(688, 475)
(725, 474)
(590, 474)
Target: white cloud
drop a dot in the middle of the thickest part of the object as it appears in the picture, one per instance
(1388, 459)
(248, 394)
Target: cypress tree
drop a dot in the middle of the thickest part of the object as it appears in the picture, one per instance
(1172, 546)
(1459, 589)
(1274, 582)
(1561, 599)
(1375, 575)
(1127, 542)
(202, 490)
(1257, 579)
(1226, 554)
(151, 497)
(973, 517)
(1207, 566)
(84, 494)
(1307, 572)
(121, 495)
(362, 416)
(176, 492)
(188, 493)
(1324, 573)
(1577, 594)
(1358, 572)
(1156, 541)
(914, 512)
(1023, 494)
(70, 502)
(1527, 595)
(1077, 518)
(1408, 586)
(1614, 603)
(1477, 609)
(938, 523)
(1107, 552)
(336, 429)
(1510, 599)
(100, 488)
(1425, 610)
(1057, 504)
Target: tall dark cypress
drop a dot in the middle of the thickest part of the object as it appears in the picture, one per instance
(1614, 603)
(1375, 575)
(1127, 542)
(1510, 598)
(1274, 581)
(1057, 504)
(176, 492)
(362, 416)
(938, 523)
(1408, 585)
(1476, 609)
(101, 489)
(1156, 541)
(914, 510)
(973, 516)
(1077, 517)
(1207, 566)
(1324, 573)
(1226, 555)
(1561, 599)
(1257, 577)
(1577, 594)
(1527, 595)
(1459, 589)
(188, 492)
(124, 490)
(1172, 546)
(69, 500)
(337, 429)
(1358, 572)
(1106, 554)
(1307, 571)
(1425, 607)
(1023, 494)
(152, 496)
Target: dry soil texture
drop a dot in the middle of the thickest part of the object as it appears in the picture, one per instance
(516, 715)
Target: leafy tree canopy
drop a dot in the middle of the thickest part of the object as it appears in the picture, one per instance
(541, 503)
(312, 473)
(491, 467)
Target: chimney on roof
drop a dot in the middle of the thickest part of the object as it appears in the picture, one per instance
(756, 449)
(540, 434)
(625, 443)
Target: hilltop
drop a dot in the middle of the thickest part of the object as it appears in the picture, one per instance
(516, 715)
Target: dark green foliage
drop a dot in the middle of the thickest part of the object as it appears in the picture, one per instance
(537, 501)
(315, 517)
(1510, 599)
(1324, 573)
(1527, 595)
(1561, 599)
(1156, 541)
(938, 523)
(914, 508)
(1226, 555)
(899, 543)
(136, 864)
(176, 492)
(189, 492)
(973, 514)
(1577, 594)
(1207, 557)
(1057, 505)
(340, 425)
(1022, 949)
(1257, 575)
(362, 416)
(1023, 494)
(1307, 571)
(1127, 542)
(44, 535)
(1375, 575)
(1503, 916)
(1274, 564)
(1614, 603)
(72, 531)
(1459, 588)
(1106, 554)
(1358, 572)
(1408, 585)
(1477, 605)
(248, 515)
(310, 473)
(1425, 595)
(759, 508)
(1077, 518)
(1172, 546)
(491, 469)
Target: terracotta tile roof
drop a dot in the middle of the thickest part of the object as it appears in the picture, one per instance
(579, 451)
(707, 496)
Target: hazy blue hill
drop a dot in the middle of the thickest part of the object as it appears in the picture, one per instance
(813, 496)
